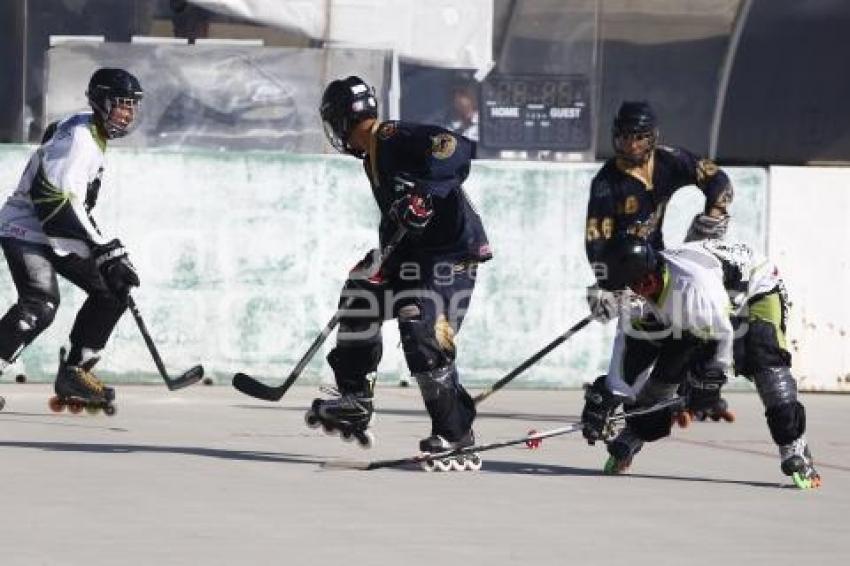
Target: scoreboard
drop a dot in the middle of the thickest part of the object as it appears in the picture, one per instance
(545, 112)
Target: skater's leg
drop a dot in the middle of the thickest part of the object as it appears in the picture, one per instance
(769, 361)
(428, 323)
(99, 314)
(38, 296)
(354, 361)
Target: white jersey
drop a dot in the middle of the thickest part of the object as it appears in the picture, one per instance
(693, 300)
(49, 206)
(746, 273)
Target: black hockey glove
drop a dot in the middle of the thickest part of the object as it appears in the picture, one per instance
(367, 274)
(599, 405)
(603, 304)
(412, 211)
(115, 267)
(703, 393)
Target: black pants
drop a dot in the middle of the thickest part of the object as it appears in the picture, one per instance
(430, 303)
(34, 268)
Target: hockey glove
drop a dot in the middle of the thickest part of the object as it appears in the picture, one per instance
(412, 211)
(603, 304)
(367, 274)
(115, 268)
(599, 405)
(705, 227)
(703, 393)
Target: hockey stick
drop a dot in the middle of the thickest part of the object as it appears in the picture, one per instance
(187, 378)
(255, 388)
(676, 402)
(533, 359)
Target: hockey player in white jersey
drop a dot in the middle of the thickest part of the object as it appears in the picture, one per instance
(46, 229)
(690, 292)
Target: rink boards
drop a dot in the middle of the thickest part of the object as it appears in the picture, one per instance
(242, 255)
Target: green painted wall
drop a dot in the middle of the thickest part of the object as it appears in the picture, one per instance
(242, 256)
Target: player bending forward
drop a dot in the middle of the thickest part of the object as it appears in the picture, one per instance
(688, 291)
(45, 229)
(416, 173)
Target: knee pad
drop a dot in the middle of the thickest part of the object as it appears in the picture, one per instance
(35, 315)
(776, 386)
(787, 422)
(23, 323)
(422, 349)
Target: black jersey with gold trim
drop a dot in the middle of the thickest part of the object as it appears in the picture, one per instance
(634, 199)
(430, 161)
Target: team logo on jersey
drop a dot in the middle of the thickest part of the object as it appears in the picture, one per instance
(443, 146)
(630, 205)
(706, 169)
(387, 130)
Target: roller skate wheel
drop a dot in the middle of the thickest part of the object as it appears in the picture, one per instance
(329, 429)
(92, 409)
(75, 407)
(429, 465)
(444, 464)
(110, 410)
(474, 463)
(728, 416)
(615, 467)
(458, 464)
(312, 420)
(683, 419)
(346, 436)
(366, 440)
(56, 405)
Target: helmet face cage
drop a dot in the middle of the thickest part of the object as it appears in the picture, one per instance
(345, 103)
(115, 96)
(635, 132)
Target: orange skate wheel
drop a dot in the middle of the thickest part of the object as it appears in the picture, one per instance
(683, 419)
(75, 407)
(56, 405)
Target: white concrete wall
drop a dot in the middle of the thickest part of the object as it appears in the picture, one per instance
(809, 237)
(242, 256)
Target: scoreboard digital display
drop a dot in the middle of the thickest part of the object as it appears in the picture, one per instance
(537, 112)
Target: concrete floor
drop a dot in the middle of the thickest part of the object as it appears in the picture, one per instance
(208, 476)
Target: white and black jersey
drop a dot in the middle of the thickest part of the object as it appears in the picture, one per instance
(51, 203)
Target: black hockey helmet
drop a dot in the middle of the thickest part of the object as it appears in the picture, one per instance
(112, 88)
(626, 260)
(635, 122)
(345, 103)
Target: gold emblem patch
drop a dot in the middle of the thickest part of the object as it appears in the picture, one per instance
(445, 334)
(387, 130)
(443, 146)
(631, 205)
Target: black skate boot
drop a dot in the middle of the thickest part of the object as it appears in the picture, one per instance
(622, 451)
(349, 414)
(77, 388)
(436, 444)
(797, 462)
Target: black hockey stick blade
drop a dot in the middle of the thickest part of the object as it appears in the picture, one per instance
(675, 403)
(255, 388)
(189, 377)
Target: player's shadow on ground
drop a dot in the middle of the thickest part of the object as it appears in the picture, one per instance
(107, 448)
(524, 468)
(421, 414)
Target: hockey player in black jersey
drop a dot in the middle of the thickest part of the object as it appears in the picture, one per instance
(45, 230)
(630, 195)
(416, 173)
